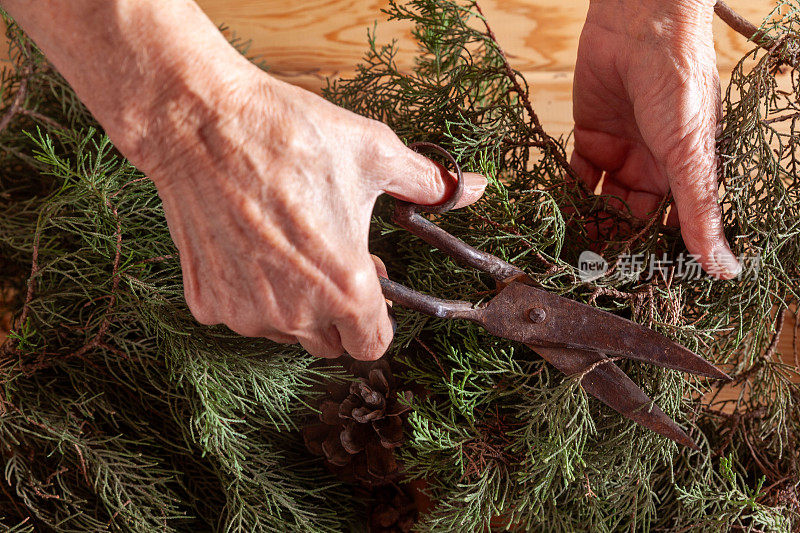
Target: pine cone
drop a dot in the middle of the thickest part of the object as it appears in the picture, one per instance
(392, 510)
(361, 424)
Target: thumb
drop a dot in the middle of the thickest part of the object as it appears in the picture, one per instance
(415, 178)
(693, 181)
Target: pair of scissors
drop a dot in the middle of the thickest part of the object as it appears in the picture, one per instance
(575, 338)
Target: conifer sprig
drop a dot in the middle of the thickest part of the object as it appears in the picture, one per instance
(119, 412)
(563, 468)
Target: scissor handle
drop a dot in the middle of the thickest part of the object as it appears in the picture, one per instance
(455, 196)
(407, 216)
(427, 304)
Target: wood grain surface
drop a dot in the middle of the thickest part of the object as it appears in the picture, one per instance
(304, 42)
(308, 41)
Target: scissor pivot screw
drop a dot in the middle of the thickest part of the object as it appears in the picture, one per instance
(537, 315)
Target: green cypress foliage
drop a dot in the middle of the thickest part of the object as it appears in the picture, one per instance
(119, 412)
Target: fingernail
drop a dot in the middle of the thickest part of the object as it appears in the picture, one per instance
(728, 266)
(380, 268)
(474, 187)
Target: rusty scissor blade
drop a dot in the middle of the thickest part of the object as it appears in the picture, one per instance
(533, 316)
(609, 384)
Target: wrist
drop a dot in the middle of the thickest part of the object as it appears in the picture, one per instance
(645, 18)
(188, 94)
(176, 79)
(143, 68)
(168, 66)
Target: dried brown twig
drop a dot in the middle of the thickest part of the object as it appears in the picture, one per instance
(17, 105)
(524, 94)
(773, 345)
(19, 99)
(31, 280)
(742, 25)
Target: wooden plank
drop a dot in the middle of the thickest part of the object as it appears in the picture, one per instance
(306, 42)
(785, 352)
(318, 39)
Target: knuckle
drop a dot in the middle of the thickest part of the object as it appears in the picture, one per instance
(332, 353)
(291, 321)
(693, 174)
(201, 312)
(380, 142)
(285, 310)
(708, 221)
(358, 293)
(367, 340)
(379, 345)
(323, 342)
(701, 225)
(688, 151)
(204, 316)
(370, 348)
(280, 339)
(245, 328)
(380, 131)
(322, 351)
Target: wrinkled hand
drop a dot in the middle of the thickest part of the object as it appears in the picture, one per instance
(268, 191)
(646, 106)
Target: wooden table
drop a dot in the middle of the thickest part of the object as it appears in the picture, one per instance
(313, 39)
(307, 41)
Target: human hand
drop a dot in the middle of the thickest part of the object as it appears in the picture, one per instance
(268, 189)
(268, 192)
(646, 103)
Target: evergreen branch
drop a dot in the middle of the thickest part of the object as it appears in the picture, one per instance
(524, 94)
(97, 340)
(16, 103)
(773, 345)
(31, 279)
(41, 118)
(164, 424)
(782, 118)
(795, 333)
(596, 364)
